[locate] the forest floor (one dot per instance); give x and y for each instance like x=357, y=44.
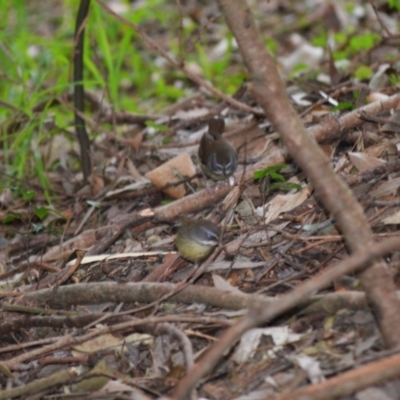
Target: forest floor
x=95, y=300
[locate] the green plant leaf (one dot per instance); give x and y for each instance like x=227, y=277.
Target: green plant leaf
x=268, y=171
x=158, y=127
x=41, y=212
x=272, y=45
x=277, y=177
x=344, y=105
x=394, y=4
x=11, y=217
x=363, y=72
x=320, y=40
x=27, y=194
x=394, y=79
x=284, y=186
x=364, y=42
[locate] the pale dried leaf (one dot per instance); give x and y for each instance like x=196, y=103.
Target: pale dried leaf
x=222, y=284
x=251, y=339
x=299, y=99
x=373, y=393
x=393, y=125
x=110, y=341
x=106, y=257
x=194, y=68
x=392, y=219
x=97, y=344
x=363, y=161
x=246, y=210
x=6, y=197
x=133, y=171
x=57, y=149
x=375, y=96
x=114, y=386
x=311, y=366
x=380, y=78
x=283, y=203
x=11, y=282
x=386, y=188
x=136, y=339
x=378, y=149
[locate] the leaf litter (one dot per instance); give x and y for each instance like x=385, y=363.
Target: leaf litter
x=274, y=241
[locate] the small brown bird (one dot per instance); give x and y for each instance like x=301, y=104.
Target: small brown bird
x=218, y=159
x=196, y=239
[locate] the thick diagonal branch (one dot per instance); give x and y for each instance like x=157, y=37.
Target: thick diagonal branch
x=333, y=193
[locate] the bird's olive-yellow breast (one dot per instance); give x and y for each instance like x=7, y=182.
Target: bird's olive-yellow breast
x=196, y=239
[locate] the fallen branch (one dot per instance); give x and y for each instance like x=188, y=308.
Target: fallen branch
x=59, y=378
x=349, y=382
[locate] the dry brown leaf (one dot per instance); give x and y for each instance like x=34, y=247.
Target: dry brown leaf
x=386, y=188
x=250, y=139
x=57, y=149
x=392, y=219
x=222, y=284
x=363, y=161
x=393, y=125
x=97, y=183
x=283, y=203
x=376, y=96
x=96, y=344
x=173, y=171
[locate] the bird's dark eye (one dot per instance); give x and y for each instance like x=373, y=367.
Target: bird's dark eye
x=210, y=236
